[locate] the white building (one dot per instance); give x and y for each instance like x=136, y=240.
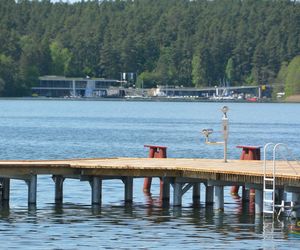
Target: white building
x=60, y=86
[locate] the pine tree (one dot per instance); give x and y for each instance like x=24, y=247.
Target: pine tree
x=292, y=82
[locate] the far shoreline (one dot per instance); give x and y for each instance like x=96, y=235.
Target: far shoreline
x=291, y=99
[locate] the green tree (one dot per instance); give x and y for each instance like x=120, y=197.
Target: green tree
x=229, y=71
x=165, y=68
x=279, y=83
x=109, y=62
x=147, y=80
x=61, y=58
x=7, y=73
x=200, y=68
x=174, y=41
x=28, y=64
x=292, y=82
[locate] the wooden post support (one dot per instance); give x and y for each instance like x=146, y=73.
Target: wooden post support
x=296, y=199
x=258, y=201
x=58, y=180
x=32, y=189
x=5, y=189
x=245, y=194
x=209, y=195
x=196, y=193
x=1, y=189
x=177, y=194
x=128, y=189
x=147, y=185
x=165, y=191
x=279, y=195
x=96, y=185
x=219, y=198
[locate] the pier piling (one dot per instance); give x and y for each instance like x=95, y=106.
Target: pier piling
x=245, y=194
x=58, y=180
x=182, y=174
x=177, y=195
x=5, y=189
x=128, y=189
x=96, y=185
x=209, y=195
x=196, y=193
x=296, y=200
x=258, y=201
x=219, y=198
x=32, y=189
x=165, y=191
x=279, y=195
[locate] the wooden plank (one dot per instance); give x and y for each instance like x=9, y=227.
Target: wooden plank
x=208, y=169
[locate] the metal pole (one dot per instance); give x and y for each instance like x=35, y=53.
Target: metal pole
x=225, y=128
x=225, y=131
x=74, y=88
x=225, y=150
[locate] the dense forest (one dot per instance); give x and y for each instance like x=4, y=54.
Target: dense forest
x=175, y=42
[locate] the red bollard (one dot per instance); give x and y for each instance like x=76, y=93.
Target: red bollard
x=248, y=153
x=154, y=152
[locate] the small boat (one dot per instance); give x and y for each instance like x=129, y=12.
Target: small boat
x=252, y=99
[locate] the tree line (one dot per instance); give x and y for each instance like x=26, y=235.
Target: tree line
x=164, y=42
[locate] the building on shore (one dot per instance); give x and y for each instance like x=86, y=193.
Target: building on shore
x=60, y=86
x=70, y=87
x=215, y=93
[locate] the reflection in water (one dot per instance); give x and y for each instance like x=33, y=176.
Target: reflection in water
x=4, y=209
x=294, y=228
x=199, y=224
x=150, y=223
x=96, y=209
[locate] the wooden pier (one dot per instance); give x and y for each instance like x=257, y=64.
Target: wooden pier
x=181, y=174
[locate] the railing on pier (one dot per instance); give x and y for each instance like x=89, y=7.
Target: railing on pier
x=269, y=181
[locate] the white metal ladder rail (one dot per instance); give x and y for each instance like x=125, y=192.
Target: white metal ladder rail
x=269, y=189
x=269, y=181
x=268, y=193
x=268, y=203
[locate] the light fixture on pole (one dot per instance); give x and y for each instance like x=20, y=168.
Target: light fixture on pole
x=208, y=132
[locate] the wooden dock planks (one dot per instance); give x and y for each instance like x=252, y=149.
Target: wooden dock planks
x=181, y=174
x=208, y=169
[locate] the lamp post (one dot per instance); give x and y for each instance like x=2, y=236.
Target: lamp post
x=207, y=132
x=225, y=130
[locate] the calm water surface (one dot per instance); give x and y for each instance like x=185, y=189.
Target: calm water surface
x=33, y=129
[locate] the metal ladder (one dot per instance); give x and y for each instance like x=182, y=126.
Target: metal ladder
x=269, y=193
x=269, y=184
x=269, y=190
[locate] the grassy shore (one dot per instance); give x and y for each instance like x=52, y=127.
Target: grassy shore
x=293, y=98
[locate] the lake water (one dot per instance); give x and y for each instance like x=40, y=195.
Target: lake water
x=58, y=129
